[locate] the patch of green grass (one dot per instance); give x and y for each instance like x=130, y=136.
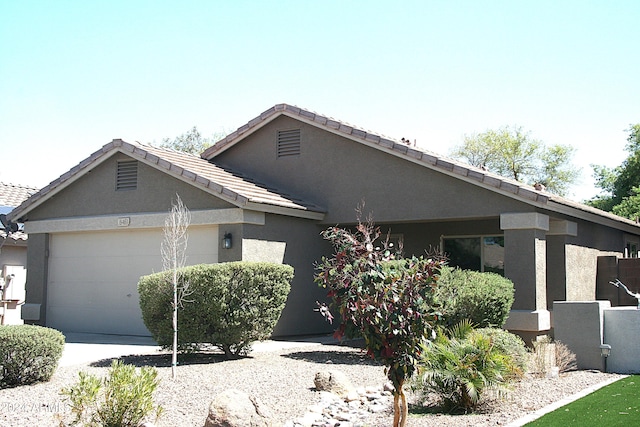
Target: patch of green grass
x=614, y=405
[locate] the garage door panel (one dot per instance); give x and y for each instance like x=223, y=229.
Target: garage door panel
x=92, y=293
x=93, y=276
x=111, y=269
x=117, y=319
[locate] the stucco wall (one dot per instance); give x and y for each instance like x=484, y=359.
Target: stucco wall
x=299, y=243
x=95, y=194
x=572, y=272
x=13, y=253
x=36, y=286
x=597, y=236
x=337, y=174
x=582, y=266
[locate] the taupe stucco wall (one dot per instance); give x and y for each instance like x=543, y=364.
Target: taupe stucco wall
x=37, y=276
x=572, y=261
x=95, y=194
x=582, y=266
x=337, y=174
x=597, y=236
x=303, y=246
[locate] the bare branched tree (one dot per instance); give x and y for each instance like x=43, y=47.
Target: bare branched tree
x=174, y=248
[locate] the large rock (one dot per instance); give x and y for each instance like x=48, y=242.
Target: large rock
x=235, y=408
x=334, y=382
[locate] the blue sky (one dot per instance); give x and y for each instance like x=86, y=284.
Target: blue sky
x=76, y=74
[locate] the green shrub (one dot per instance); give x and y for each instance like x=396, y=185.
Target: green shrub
x=460, y=365
x=123, y=399
x=28, y=354
x=509, y=344
x=227, y=305
x=483, y=298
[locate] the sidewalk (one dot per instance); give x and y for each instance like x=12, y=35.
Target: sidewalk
x=81, y=348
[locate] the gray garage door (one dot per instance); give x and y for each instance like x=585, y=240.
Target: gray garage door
x=93, y=276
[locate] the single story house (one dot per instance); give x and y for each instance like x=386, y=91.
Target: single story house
x=272, y=186
x=13, y=254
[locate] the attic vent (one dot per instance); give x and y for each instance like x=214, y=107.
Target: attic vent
x=127, y=175
x=288, y=142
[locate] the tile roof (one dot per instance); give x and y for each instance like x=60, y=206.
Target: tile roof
x=244, y=192
x=396, y=147
x=446, y=165
x=17, y=236
x=223, y=183
x=232, y=184
x=12, y=195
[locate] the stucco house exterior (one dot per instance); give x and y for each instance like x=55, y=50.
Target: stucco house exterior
x=273, y=185
x=13, y=255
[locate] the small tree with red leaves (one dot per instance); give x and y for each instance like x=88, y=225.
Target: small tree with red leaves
x=384, y=298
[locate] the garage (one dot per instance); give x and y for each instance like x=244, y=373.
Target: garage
x=93, y=276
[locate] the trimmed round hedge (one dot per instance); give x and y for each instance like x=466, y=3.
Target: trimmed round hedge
x=485, y=299
x=227, y=305
x=28, y=354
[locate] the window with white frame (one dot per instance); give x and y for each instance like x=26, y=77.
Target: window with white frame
x=479, y=253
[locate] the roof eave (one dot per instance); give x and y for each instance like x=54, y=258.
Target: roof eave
x=606, y=218
x=152, y=160
x=243, y=131
x=63, y=181
x=281, y=210
x=450, y=167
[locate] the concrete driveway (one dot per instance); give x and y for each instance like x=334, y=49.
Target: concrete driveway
x=82, y=348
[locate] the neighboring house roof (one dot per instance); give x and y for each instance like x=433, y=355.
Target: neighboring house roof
x=17, y=236
x=12, y=195
x=448, y=166
x=223, y=183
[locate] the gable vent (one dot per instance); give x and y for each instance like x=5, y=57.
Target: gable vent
x=288, y=143
x=127, y=175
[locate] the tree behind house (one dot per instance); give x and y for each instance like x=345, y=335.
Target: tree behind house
x=191, y=141
x=620, y=186
x=512, y=152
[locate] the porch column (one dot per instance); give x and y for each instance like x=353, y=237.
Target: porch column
x=559, y=263
x=525, y=263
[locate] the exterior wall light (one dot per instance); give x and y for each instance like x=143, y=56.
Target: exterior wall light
x=226, y=241
x=605, y=351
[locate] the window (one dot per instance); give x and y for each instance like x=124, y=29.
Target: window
x=479, y=253
x=631, y=250
x=395, y=241
x=288, y=143
x=127, y=175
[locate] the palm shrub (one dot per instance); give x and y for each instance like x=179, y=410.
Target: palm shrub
x=230, y=305
x=460, y=364
x=512, y=345
x=123, y=399
x=485, y=299
x=28, y=354
x=382, y=298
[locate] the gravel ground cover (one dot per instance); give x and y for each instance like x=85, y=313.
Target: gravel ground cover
x=283, y=380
